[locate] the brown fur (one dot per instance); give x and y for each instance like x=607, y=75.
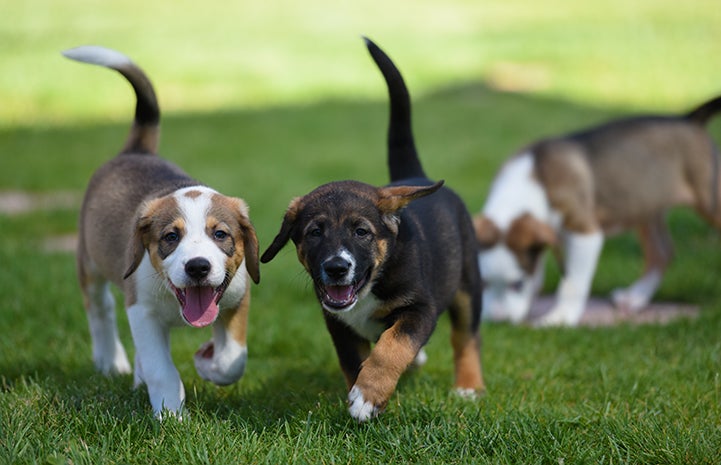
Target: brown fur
x=622, y=175
x=127, y=209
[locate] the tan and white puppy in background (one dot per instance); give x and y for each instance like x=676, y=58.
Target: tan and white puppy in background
x=180, y=252
x=569, y=192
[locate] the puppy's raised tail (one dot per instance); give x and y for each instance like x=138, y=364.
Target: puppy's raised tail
x=701, y=115
x=403, y=161
x=144, y=134
x=704, y=112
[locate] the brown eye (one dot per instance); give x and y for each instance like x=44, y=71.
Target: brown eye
x=360, y=232
x=220, y=235
x=315, y=232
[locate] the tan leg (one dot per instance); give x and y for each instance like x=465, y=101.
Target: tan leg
x=380, y=373
x=466, y=347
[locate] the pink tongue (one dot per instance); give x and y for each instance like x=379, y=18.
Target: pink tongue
x=340, y=293
x=200, y=308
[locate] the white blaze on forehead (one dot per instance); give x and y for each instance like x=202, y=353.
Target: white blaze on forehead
x=516, y=191
x=194, y=204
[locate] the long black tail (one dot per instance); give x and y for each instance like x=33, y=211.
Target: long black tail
x=704, y=112
x=144, y=134
x=403, y=159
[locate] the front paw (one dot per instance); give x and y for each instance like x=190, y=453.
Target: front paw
x=220, y=367
x=359, y=408
x=627, y=300
x=559, y=316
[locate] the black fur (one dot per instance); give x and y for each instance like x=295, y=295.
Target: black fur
x=412, y=253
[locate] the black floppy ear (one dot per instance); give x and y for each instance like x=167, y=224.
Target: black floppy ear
x=286, y=228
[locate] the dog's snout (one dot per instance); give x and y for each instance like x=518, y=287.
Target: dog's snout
x=336, y=267
x=197, y=268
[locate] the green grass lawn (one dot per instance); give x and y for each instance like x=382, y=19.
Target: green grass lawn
x=266, y=101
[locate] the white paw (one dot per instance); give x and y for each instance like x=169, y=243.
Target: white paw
x=466, y=393
x=629, y=301
x=220, y=367
x=558, y=316
x=166, y=414
x=359, y=408
x=112, y=361
x=420, y=360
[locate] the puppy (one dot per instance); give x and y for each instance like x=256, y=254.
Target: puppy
x=569, y=192
x=385, y=262
x=180, y=252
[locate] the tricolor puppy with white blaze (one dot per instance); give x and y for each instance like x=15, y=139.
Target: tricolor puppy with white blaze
x=569, y=192
x=386, y=262
x=181, y=253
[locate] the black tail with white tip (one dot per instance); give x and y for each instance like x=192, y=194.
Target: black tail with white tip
x=143, y=137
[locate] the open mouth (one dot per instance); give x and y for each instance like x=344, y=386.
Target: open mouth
x=340, y=297
x=200, y=303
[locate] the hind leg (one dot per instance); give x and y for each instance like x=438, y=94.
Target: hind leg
x=108, y=353
x=465, y=313
x=657, y=252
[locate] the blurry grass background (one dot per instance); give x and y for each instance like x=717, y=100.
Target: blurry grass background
x=266, y=100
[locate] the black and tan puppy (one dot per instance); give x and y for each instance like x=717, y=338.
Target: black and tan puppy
x=386, y=262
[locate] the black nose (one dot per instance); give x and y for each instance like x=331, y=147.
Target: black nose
x=336, y=267
x=197, y=268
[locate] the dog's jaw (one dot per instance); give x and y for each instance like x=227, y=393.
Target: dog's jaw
x=340, y=292
x=199, y=304
x=342, y=297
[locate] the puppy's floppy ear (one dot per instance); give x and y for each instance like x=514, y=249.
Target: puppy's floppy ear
x=286, y=228
x=528, y=233
x=487, y=233
x=393, y=198
x=139, y=242
x=250, y=241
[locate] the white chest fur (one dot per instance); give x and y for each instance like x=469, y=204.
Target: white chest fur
x=516, y=191
x=359, y=318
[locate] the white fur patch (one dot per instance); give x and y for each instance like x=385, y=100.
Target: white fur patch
x=581, y=256
x=97, y=55
x=359, y=318
x=359, y=408
x=154, y=364
x=516, y=191
x=108, y=352
x=227, y=364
